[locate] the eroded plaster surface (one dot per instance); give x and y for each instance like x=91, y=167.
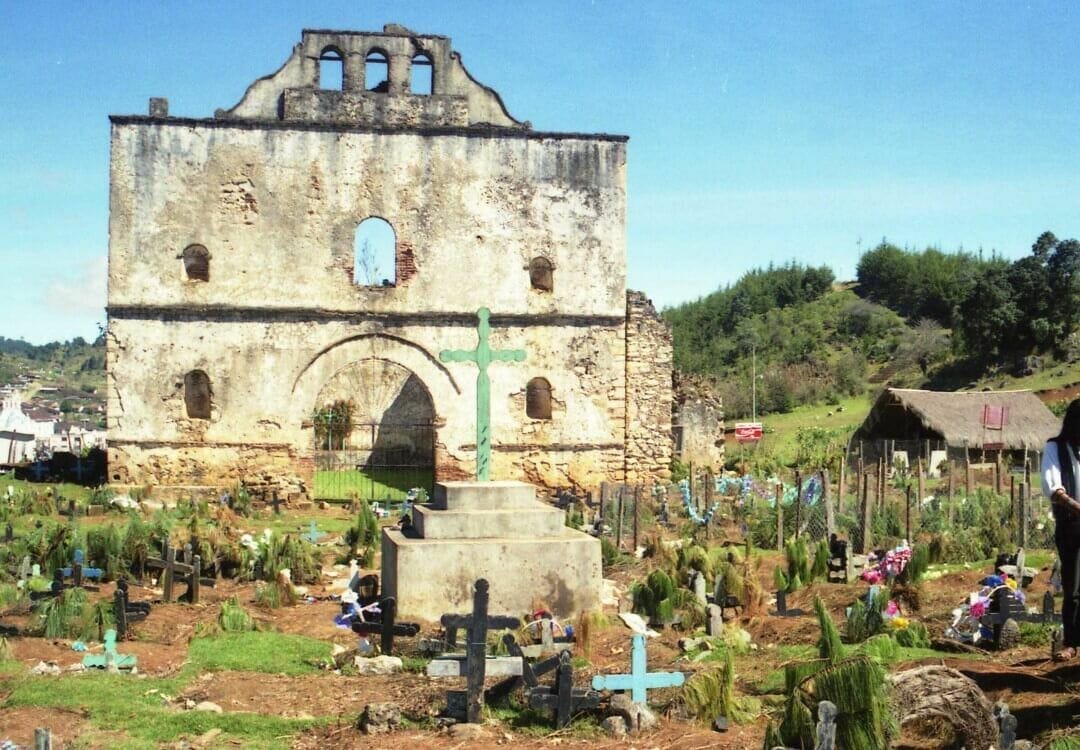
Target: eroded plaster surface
x=274, y=189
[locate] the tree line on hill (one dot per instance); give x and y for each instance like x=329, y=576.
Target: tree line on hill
x=909, y=314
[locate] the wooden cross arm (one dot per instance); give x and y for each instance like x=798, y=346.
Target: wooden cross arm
x=178, y=567
x=400, y=628
x=495, y=622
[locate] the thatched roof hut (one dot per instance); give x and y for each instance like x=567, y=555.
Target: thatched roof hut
x=1005, y=420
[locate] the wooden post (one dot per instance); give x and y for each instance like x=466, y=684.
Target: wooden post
x=167, y=584
x=619, y=517
x=922, y=487
x=798, y=503
x=952, y=487
x=1025, y=503
x=637, y=515
x=389, y=615
x=907, y=512
x=196, y=574
x=997, y=473
x=476, y=653
x=842, y=471
x=779, y=518
x=865, y=508
x=967, y=471
x=830, y=515
x=880, y=490
x=605, y=495
x=1012, y=506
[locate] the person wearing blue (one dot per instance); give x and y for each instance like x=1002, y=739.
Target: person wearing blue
x=1060, y=473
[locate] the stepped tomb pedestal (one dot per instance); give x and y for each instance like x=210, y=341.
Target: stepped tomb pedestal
x=493, y=530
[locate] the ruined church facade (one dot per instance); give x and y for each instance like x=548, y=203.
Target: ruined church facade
x=240, y=308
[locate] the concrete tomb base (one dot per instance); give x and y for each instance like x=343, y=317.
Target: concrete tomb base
x=493, y=530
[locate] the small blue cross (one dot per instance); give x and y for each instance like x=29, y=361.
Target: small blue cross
x=313, y=535
x=640, y=680
x=87, y=572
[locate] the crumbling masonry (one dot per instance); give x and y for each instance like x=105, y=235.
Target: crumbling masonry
x=237, y=307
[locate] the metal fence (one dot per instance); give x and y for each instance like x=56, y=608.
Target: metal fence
x=376, y=461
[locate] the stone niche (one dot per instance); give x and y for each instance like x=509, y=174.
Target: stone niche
x=493, y=530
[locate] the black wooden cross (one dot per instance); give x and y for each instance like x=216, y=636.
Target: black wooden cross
x=563, y=697
x=386, y=627
x=9, y=533
x=173, y=571
x=530, y=673
x=126, y=611
x=476, y=626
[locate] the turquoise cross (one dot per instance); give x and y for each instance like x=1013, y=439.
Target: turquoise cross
x=640, y=680
x=483, y=355
x=313, y=535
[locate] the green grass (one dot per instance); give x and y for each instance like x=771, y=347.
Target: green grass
x=273, y=653
x=385, y=484
x=780, y=429
x=136, y=707
x=76, y=491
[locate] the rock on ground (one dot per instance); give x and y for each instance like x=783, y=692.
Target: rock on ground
x=381, y=664
x=466, y=732
x=378, y=718
x=637, y=715
x=938, y=693
x=615, y=726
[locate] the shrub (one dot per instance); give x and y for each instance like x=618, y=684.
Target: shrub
x=363, y=536
x=233, y=618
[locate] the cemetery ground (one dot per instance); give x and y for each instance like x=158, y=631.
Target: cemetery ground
x=202, y=682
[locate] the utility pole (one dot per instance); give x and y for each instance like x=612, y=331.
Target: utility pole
x=753, y=379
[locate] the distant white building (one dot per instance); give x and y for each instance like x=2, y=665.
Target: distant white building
x=74, y=438
x=20, y=434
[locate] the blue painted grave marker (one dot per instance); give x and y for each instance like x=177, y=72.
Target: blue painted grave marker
x=640, y=680
x=313, y=534
x=77, y=572
x=110, y=657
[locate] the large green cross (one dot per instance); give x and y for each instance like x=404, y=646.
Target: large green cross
x=483, y=355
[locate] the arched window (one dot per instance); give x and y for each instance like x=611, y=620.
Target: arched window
x=331, y=69
x=377, y=72
x=197, y=394
x=197, y=263
x=422, y=76
x=375, y=256
x=541, y=274
x=538, y=399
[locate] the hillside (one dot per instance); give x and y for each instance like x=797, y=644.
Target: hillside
x=917, y=319
x=66, y=376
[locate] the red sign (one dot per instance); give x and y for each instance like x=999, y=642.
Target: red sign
x=747, y=432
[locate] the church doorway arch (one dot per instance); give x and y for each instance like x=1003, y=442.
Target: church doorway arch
x=374, y=433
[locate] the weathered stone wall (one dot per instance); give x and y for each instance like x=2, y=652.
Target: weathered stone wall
x=648, y=391
x=267, y=377
x=280, y=315
x=699, y=422
x=274, y=189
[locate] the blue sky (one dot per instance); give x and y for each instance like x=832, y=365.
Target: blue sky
x=759, y=131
